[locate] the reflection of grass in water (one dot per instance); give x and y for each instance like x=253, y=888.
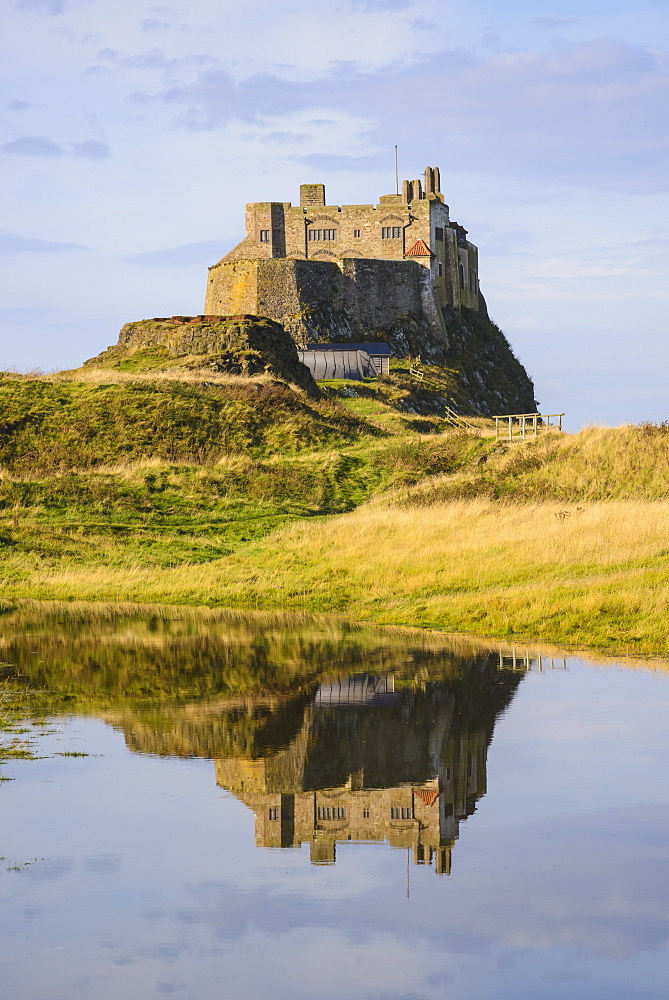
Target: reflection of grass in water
x=16, y=708
x=101, y=656
x=181, y=680
x=210, y=682
x=22, y=865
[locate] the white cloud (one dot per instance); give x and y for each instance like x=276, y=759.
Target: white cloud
x=90, y=149
x=33, y=145
x=11, y=243
x=50, y=7
x=205, y=253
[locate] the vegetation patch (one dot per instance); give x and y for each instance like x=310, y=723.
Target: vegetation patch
x=364, y=501
x=21, y=711
x=61, y=425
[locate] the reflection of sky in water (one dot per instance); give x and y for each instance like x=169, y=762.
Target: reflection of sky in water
x=146, y=880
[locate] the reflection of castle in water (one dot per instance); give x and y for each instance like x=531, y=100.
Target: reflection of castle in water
x=372, y=763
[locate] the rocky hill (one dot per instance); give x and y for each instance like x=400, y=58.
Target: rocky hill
x=486, y=376
x=233, y=345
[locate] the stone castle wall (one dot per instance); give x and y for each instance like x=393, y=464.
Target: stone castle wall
x=390, y=230
x=328, y=301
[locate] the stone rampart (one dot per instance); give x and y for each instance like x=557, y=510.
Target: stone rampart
x=353, y=299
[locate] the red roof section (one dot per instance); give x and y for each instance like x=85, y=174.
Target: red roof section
x=419, y=249
x=428, y=796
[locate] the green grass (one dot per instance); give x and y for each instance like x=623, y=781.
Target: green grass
x=54, y=426
x=229, y=485
x=364, y=502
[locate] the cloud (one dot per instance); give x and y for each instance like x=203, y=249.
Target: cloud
x=33, y=145
x=585, y=114
x=155, y=59
x=90, y=149
x=17, y=105
x=207, y=252
x=366, y=5
x=549, y=23
x=215, y=98
x=335, y=161
x=50, y=7
x=11, y=243
x=40, y=146
x=152, y=24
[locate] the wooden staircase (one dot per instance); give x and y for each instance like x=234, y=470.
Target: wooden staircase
x=441, y=385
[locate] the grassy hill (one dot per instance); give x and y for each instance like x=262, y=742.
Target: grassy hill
x=249, y=492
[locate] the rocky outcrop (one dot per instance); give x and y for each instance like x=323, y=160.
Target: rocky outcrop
x=237, y=345
x=488, y=372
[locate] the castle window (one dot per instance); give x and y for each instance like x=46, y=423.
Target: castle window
x=462, y=276
x=274, y=812
x=400, y=813
x=331, y=812
x=439, y=234
x=391, y=232
x=365, y=812
x=357, y=233
x=322, y=234
x=264, y=235
x=441, y=270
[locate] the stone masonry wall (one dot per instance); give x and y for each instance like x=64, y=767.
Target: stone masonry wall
x=354, y=299
x=379, y=300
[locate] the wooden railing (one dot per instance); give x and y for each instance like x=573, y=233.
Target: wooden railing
x=528, y=423
x=441, y=385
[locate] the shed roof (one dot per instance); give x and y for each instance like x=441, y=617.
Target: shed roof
x=379, y=349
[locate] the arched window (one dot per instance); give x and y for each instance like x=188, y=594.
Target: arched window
x=462, y=275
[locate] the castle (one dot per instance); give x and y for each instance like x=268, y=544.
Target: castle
x=343, y=273
x=409, y=788
x=413, y=227
x=400, y=277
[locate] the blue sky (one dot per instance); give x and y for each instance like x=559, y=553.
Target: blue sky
x=132, y=134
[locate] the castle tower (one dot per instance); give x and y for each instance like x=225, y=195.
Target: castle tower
x=312, y=195
x=432, y=181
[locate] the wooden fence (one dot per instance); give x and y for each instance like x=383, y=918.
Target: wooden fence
x=526, y=423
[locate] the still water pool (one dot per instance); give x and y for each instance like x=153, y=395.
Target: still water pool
x=277, y=808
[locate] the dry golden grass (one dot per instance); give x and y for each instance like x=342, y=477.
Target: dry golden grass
x=108, y=376
x=598, y=463
x=594, y=574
